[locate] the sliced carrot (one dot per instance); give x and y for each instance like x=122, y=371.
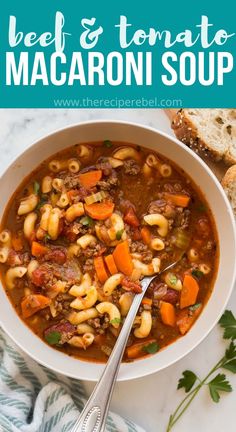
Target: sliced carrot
x=33, y=303
x=189, y=291
x=167, y=311
x=178, y=200
x=17, y=243
x=90, y=178
x=38, y=250
x=146, y=235
x=100, y=269
x=147, y=301
x=136, y=350
x=123, y=258
x=111, y=265
x=99, y=211
x=185, y=319
x=72, y=193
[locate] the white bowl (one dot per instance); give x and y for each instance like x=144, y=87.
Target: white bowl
x=201, y=175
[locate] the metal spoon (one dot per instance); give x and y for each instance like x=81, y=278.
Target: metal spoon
x=94, y=414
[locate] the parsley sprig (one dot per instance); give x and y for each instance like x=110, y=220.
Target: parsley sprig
x=216, y=383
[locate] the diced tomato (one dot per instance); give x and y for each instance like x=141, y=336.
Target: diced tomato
x=136, y=234
x=130, y=218
x=130, y=285
x=65, y=329
x=40, y=276
x=171, y=296
x=56, y=255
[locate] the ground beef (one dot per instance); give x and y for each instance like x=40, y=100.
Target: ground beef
x=125, y=204
x=131, y=167
x=109, y=183
x=71, y=181
x=73, y=230
x=182, y=219
x=95, y=323
x=115, y=297
x=100, y=324
x=139, y=247
x=88, y=266
x=104, y=165
x=175, y=187
x=95, y=249
x=135, y=234
x=17, y=258
x=161, y=206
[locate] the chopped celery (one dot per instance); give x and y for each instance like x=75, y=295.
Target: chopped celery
x=99, y=196
x=181, y=238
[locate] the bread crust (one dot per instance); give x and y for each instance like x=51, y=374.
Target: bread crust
x=229, y=177
x=186, y=132
x=229, y=184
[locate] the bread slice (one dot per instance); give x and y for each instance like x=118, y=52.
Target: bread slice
x=229, y=185
x=209, y=132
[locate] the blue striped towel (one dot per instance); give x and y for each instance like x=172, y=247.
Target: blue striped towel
x=35, y=399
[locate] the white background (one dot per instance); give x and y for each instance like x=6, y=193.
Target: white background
x=148, y=401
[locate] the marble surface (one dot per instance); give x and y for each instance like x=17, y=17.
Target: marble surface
x=147, y=401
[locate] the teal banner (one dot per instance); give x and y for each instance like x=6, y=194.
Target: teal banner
x=126, y=54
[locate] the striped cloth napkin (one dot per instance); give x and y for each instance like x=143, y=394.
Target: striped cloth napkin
x=35, y=399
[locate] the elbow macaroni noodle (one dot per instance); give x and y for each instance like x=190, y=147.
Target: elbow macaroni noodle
x=74, y=211
x=80, y=290
x=54, y=223
x=82, y=341
x=84, y=151
x=127, y=153
x=5, y=239
x=12, y=274
x=79, y=317
x=145, y=326
x=112, y=283
x=46, y=185
x=32, y=266
x=86, y=302
x=29, y=224
x=173, y=281
x=86, y=240
x=28, y=204
x=63, y=200
x=58, y=184
x=112, y=311
x=147, y=269
x=125, y=302
x=45, y=214
x=73, y=166
x=160, y=221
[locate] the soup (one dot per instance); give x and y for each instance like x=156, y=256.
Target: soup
x=82, y=231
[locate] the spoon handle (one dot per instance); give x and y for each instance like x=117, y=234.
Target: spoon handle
x=94, y=414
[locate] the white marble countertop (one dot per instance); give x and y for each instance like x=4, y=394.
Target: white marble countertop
x=147, y=401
